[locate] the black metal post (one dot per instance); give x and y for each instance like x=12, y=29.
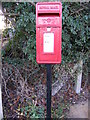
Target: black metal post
x=49, y=88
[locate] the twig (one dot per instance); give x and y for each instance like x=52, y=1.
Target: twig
x=85, y=84
x=33, y=3
x=5, y=86
x=22, y=83
x=9, y=14
x=18, y=72
x=9, y=76
x=62, y=116
x=77, y=11
x=33, y=72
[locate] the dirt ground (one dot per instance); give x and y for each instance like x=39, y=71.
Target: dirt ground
x=79, y=110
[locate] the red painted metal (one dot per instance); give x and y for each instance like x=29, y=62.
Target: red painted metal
x=48, y=32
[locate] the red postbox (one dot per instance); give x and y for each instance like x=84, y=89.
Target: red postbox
x=48, y=32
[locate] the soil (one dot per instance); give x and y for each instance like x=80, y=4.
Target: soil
x=79, y=110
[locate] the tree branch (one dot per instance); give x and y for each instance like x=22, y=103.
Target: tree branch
x=9, y=14
x=32, y=3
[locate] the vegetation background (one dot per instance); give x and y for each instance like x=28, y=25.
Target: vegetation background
x=21, y=73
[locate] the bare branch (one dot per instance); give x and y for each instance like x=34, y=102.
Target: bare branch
x=32, y=3
x=77, y=11
x=9, y=14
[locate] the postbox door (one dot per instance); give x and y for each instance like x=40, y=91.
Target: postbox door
x=49, y=45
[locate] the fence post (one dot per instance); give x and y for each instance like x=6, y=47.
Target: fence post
x=1, y=111
x=1, y=18
x=79, y=77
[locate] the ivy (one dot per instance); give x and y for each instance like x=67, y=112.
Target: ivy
x=75, y=31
